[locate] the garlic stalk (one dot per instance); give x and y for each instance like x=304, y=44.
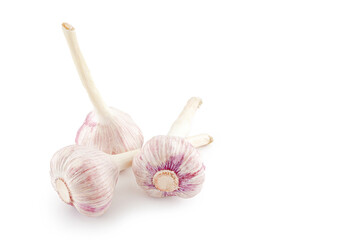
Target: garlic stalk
x=182, y=125
x=106, y=129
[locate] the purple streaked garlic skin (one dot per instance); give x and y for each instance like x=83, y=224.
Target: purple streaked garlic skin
x=84, y=178
x=118, y=134
x=169, y=166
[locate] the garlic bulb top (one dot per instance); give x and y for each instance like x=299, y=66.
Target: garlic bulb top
x=114, y=135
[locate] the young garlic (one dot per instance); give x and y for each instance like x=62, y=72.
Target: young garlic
x=107, y=129
x=170, y=165
x=85, y=177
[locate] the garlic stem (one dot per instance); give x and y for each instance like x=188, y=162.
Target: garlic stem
x=124, y=160
x=200, y=140
x=182, y=125
x=100, y=107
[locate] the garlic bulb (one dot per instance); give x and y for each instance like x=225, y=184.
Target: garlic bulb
x=170, y=165
x=106, y=129
x=85, y=177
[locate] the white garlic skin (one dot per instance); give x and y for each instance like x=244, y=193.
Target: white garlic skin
x=90, y=176
x=174, y=154
x=112, y=135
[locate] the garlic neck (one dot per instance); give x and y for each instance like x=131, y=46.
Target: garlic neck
x=182, y=125
x=124, y=160
x=200, y=140
x=100, y=107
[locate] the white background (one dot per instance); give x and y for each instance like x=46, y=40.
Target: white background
x=280, y=82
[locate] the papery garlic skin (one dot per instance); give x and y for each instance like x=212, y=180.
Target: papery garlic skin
x=113, y=135
x=170, y=155
x=89, y=175
x=85, y=177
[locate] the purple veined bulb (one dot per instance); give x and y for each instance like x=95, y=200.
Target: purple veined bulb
x=171, y=165
x=107, y=129
x=85, y=177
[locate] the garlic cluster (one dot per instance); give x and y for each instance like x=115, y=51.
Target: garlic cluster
x=85, y=177
x=85, y=174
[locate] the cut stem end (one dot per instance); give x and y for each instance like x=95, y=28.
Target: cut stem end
x=166, y=181
x=67, y=26
x=63, y=191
